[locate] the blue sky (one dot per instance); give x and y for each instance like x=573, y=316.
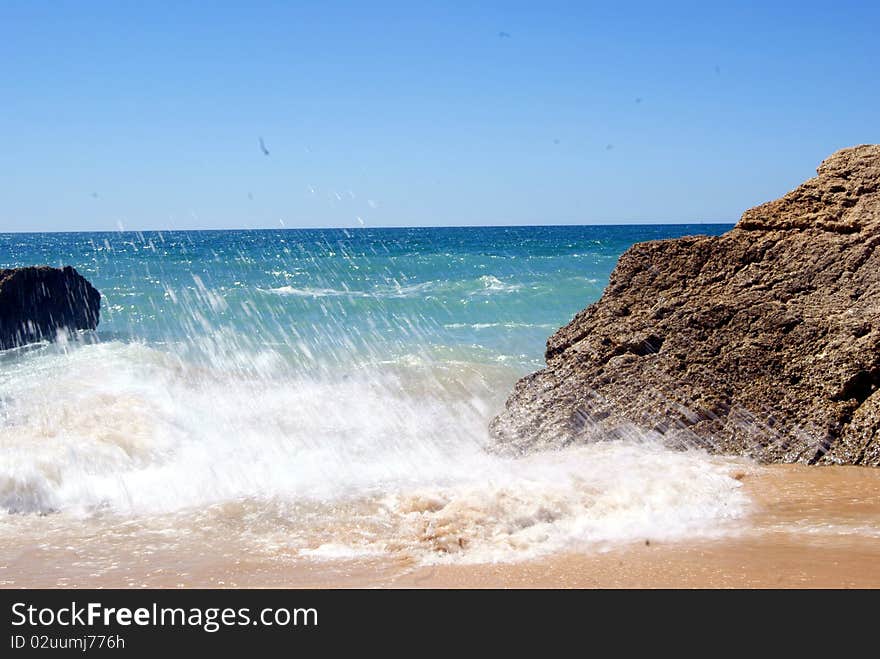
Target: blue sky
x=149, y=115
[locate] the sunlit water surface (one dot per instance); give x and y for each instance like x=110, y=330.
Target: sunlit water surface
x=323, y=395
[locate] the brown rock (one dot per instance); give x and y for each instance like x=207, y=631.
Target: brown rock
x=763, y=342
x=38, y=302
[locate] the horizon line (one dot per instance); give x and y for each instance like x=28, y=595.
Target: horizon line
x=382, y=227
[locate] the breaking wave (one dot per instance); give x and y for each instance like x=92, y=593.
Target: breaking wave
x=392, y=456
x=483, y=285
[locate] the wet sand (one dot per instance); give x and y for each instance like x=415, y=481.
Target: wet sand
x=812, y=527
x=809, y=527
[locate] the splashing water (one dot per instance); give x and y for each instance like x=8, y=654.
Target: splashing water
x=340, y=384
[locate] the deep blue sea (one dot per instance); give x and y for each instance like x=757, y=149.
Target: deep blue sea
x=321, y=395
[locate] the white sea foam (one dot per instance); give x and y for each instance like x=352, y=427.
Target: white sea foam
x=482, y=326
x=589, y=496
x=491, y=285
x=484, y=285
x=138, y=431
x=383, y=291
x=315, y=292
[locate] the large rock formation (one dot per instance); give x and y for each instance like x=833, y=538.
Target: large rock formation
x=38, y=302
x=763, y=342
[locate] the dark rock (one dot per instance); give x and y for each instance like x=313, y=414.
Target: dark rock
x=763, y=342
x=38, y=302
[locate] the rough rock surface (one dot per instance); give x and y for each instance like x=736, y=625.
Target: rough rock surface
x=764, y=341
x=38, y=302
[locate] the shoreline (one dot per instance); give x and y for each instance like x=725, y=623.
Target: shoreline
x=811, y=527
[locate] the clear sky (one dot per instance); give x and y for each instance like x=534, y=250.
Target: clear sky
x=149, y=115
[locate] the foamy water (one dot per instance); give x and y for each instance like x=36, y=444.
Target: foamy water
x=323, y=396
x=392, y=456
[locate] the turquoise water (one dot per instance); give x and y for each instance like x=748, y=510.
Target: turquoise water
x=492, y=293
x=312, y=395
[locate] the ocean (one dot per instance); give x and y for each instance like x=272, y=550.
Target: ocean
x=306, y=396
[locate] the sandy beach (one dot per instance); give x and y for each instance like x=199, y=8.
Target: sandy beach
x=809, y=527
